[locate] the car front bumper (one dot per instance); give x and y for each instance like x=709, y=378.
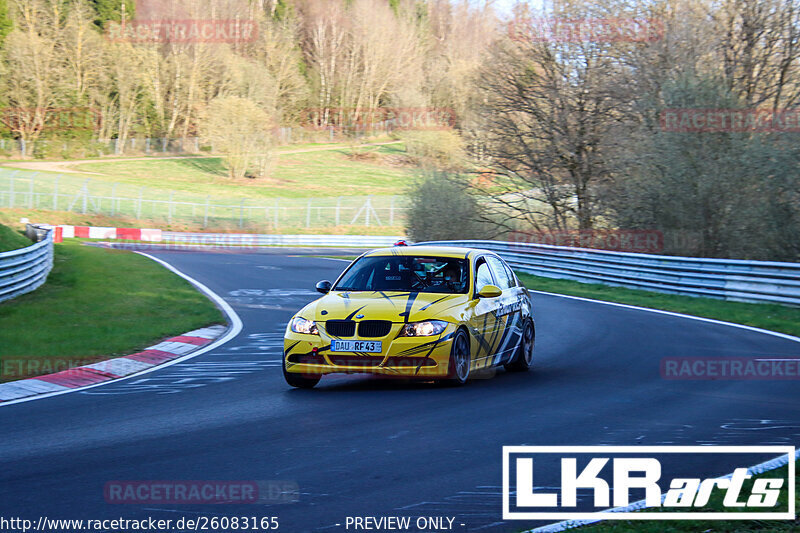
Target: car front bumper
x=416, y=357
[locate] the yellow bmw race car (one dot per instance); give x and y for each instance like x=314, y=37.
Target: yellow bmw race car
x=413, y=311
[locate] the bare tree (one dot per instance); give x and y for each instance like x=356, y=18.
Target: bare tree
x=33, y=66
x=758, y=43
x=241, y=130
x=549, y=109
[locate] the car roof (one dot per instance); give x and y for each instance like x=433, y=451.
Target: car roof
x=435, y=251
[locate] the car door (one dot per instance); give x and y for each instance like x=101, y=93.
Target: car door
x=483, y=323
x=507, y=313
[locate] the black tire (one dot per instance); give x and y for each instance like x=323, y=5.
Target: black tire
x=460, y=359
x=523, y=358
x=300, y=381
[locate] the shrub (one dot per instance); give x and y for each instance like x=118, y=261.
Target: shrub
x=441, y=208
x=441, y=149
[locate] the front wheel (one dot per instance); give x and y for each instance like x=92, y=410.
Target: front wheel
x=300, y=381
x=523, y=359
x=459, y=359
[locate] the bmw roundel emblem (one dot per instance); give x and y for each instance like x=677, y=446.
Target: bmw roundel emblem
x=359, y=315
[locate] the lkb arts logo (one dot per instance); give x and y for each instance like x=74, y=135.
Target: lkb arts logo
x=612, y=482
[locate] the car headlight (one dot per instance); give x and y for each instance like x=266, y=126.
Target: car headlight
x=301, y=325
x=423, y=329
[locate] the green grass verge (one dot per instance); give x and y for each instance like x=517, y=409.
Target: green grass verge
x=774, y=317
x=99, y=303
x=12, y=240
x=714, y=505
x=326, y=173
x=307, y=192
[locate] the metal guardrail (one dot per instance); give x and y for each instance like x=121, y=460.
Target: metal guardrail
x=26, y=269
x=729, y=279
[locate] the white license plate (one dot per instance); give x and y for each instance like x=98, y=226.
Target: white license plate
x=356, y=346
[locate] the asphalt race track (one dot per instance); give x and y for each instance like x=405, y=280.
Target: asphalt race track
x=364, y=446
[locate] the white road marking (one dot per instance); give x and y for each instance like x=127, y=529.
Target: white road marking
x=679, y=315
x=233, y=331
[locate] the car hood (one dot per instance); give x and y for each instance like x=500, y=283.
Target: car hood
x=389, y=305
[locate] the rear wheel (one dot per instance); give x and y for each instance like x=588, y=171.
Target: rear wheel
x=459, y=359
x=523, y=359
x=300, y=381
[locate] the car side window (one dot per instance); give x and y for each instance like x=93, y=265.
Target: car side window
x=500, y=273
x=483, y=275
x=511, y=276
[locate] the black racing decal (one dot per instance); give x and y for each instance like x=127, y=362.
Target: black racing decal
x=427, y=355
x=386, y=296
x=422, y=347
x=495, y=334
x=434, y=302
x=506, y=332
x=481, y=340
x=324, y=330
x=409, y=304
x=289, y=349
x=351, y=315
x=400, y=295
x=457, y=304
x=483, y=333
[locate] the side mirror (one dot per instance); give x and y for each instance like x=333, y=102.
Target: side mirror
x=490, y=291
x=324, y=286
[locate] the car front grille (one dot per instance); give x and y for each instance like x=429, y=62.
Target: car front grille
x=374, y=328
x=341, y=328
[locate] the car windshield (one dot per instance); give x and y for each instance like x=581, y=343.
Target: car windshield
x=406, y=273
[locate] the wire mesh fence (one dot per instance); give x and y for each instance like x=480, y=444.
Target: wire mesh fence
x=44, y=191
